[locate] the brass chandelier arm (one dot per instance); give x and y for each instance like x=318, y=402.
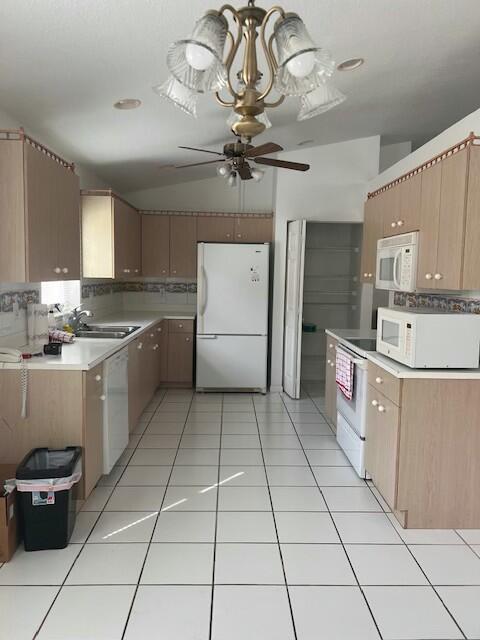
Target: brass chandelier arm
x=268, y=50
x=279, y=101
x=236, y=42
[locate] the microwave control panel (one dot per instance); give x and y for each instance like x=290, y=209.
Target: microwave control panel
x=407, y=266
x=408, y=340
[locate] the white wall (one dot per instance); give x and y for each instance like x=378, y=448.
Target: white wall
x=209, y=194
x=334, y=190
x=392, y=153
x=444, y=140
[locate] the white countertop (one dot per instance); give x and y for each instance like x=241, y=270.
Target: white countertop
x=86, y=353
x=395, y=368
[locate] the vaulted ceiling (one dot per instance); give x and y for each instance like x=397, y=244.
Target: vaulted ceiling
x=63, y=63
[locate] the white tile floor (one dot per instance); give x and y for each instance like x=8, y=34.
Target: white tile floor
x=236, y=516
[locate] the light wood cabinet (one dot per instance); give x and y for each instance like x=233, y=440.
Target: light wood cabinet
x=429, y=226
x=39, y=200
x=111, y=236
x=372, y=231
x=253, y=229
x=135, y=391
x=402, y=207
x=183, y=246
x=162, y=330
x=471, y=256
x=180, y=358
x=215, y=228
x=330, y=383
x=93, y=427
x=155, y=245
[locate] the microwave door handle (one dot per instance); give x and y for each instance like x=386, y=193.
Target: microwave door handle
x=396, y=282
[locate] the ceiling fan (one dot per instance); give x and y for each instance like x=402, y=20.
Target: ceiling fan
x=235, y=160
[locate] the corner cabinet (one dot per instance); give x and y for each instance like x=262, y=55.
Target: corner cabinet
x=40, y=205
x=111, y=236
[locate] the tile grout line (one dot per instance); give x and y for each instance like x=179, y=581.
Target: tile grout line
x=83, y=544
x=149, y=544
x=287, y=589
x=335, y=525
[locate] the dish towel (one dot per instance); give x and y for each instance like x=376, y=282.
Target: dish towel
x=344, y=373
x=37, y=323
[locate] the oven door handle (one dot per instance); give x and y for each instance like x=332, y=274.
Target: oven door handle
x=358, y=361
x=396, y=282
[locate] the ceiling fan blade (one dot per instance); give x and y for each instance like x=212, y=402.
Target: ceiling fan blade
x=263, y=149
x=197, y=164
x=283, y=164
x=244, y=172
x=217, y=153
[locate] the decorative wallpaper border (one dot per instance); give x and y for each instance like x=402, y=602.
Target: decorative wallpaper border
x=94, y=290
x=437, y=301
x=22, y=298
x=208, y=214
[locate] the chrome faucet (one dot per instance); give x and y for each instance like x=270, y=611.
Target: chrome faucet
x=76, y=321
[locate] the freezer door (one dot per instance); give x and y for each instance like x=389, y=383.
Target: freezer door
x=232, y=362
x=232, y=289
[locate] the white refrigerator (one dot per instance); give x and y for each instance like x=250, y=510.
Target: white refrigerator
x=232, y=316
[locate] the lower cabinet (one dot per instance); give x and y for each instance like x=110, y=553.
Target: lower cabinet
x=93, y=427
x=180, y=353
x=330, y=383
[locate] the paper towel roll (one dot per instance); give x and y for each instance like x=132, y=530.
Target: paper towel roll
x=37, y=323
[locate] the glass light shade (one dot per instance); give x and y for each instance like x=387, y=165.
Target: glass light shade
x=181, y=96
x=257, y=174
x=321, y=99
x=301, y=64
x=232, y=179
x=262, y=117
x=197, y=62
x=224, y=170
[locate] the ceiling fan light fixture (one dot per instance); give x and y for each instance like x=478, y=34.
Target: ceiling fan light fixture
x=257, y=174
x=320, y=100
x=232, y=179
x=301, y=64
x=261, y=117
x=180, y=95
x=197, y=62
x=224, y=171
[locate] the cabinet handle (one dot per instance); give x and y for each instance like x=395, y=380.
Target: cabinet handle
x=400, y=223
x=239, y=235
x=229, y=235
x=180, y=326
x=330, y=346
x=332, y=364
x=137, y=270
x=428, y=276
x=378, y=380
x=438, y=276
x=102, y=398
x=393, y=225
x=159, y=329
x=57, y=270
x=381, y=408
x=65, y=269
x=98, y=377
x=140, y=345
x=187, y=339
x=174, y=271
x=126, y=271
x=370, y=275
x=164, y=271
x=328, y=361
x=155, y=347
x=152, y=335
x=374, y=403
x=365, y=275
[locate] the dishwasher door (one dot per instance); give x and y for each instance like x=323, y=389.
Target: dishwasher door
x=115, y=413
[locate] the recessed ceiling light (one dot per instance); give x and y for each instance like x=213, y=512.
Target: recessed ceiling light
x=351, y=64
x=304, y=142
x=127, y=103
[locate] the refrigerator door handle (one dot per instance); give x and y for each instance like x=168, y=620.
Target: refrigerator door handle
x=206, y=337
x=204, y=290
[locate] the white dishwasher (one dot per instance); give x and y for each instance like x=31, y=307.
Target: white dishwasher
x=115, y=412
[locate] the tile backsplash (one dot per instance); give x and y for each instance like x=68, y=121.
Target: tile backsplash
x=442, y=302
x=13, y=311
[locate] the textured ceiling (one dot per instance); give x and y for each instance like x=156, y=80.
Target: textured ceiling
x=63, y=63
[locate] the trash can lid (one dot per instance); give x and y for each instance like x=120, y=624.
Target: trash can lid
x=48, y=463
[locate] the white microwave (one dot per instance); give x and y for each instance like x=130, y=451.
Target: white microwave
x=429, y=339
x=396, y=268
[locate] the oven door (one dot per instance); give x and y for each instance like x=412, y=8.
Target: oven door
x=354, y=410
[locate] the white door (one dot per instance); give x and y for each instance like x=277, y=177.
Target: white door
x=292, y=344
x=231, y=362
x=232, y=289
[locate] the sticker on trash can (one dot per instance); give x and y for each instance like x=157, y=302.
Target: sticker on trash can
x=42, y=497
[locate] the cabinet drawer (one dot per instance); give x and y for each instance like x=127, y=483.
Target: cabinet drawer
x=180, y=326
x=384, y=382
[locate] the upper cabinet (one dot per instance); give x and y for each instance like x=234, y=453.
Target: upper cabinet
x=253, y=229
x=183, y=246
x=471, y=256
x=39, y=201
x=372, y=231
x=155, y=245
x=111, y=236
x=402, y=205
x=215, y=228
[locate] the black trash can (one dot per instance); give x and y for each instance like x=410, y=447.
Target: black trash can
x=47, y=481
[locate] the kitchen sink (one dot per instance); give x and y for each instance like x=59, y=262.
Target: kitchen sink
x=105, y=331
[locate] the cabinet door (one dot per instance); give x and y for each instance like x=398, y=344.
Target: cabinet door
x=381, y=446
x=134, y=246
x=183, y=246
x=330, y=384
x=451, y=231
x=391, y=211
x=121, y=229
x=409, y=213
x=93, y=427
x=135, y=399
x=41, y=176
x=429, y=226
x=369, y=247
x=155, y=245
x=471, y=260
x=215, y=228
x=68, y=225
x=162, y=337
x=253, y=229
x=180, y=358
